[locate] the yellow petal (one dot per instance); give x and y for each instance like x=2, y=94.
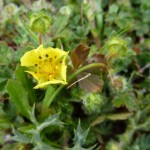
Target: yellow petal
x=29, y=58
x=63, y=72
x=33, y=74
x=45, y=84
x=56, y=51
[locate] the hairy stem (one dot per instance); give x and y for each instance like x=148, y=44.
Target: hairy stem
x=40, y=38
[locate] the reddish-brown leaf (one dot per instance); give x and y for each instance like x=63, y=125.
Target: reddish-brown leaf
x=79, y=55
x=92, y=83
x=98, y=58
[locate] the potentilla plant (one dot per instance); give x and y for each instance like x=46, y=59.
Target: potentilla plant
x=56, y=72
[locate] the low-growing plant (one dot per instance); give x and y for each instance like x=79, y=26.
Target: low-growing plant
x=74, y=75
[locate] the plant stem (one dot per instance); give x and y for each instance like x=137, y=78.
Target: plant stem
x=40, y=38
x=72, y=76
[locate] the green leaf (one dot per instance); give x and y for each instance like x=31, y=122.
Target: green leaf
x=18, y=96
x=6, y=54
x=141, y=143
x=26, y=82
x=32, y=116
x=4, y=123
x=113, y=8
x=79, y=139
x=59, y=25
x=51, y=120
x=126, y=100
x=146, y=83
x=23, y=138
x=119, y=116
x=80, y=136
x=26, y=128
x=31, y=34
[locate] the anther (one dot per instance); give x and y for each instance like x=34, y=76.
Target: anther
x=46, y=55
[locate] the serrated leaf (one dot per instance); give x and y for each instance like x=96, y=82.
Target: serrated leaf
x=79, y=139
x=51, y=120
x=18, y=136
x=18, y=96
x=126, y=100
x=80, y=136
x=32, y=116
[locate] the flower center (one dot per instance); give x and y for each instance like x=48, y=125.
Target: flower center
x=47, y=68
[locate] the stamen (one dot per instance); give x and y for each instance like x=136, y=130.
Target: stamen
x=46, y=55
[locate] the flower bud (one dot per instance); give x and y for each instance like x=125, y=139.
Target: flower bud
x=40, y=22
x=116, y=46
x=119, y=83
x=93, y=102
x=10, y=9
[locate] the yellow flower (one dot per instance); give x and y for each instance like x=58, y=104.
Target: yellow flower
x=46, y=65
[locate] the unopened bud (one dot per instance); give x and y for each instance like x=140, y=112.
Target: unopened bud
x=10, y=9
x=119, y=83
x=40, y=22
x=116, y=46
x=93, y=103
